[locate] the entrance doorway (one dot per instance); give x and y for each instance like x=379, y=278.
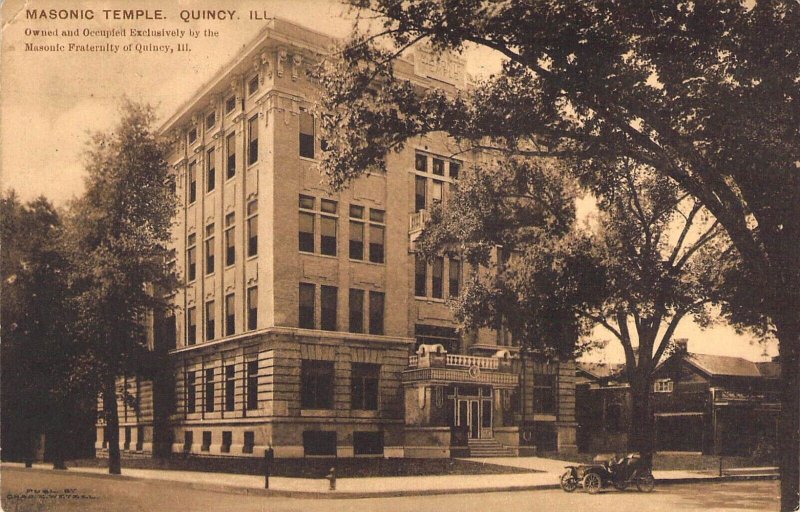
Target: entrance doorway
x=475, y=416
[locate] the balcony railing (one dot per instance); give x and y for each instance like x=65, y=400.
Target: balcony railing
x=462, y=361
x=417, y=221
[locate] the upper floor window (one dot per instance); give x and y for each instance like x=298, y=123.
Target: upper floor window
x=662, y=386
x=211, y=119
x=230, y=147
x=455, y=169
x=327, y=227
x=209, y=248
x=211, y=170
x=191, y=258
x=252, y=140
x=252, y=227
x=230, y=239
x=230, y=104
x=356, y=248
x=192, y=178
x=306, y=224
x=251, y=374
x=356, y=306
x=455, y=278
x=230, y=314
x=544, y=394
x=421, y=162
x=192, y=135
x=420, y=276
x=377, y=230
x=252, y=308
x=252, y=85
x=328, y=303
x=438, y=167
x=191, y=392
x=364, y=386
x=306, y=306
x=210, y=321
x=420, y=193
x=306, y=134
x=376, y=310
x=437, y=278
x=191, y=326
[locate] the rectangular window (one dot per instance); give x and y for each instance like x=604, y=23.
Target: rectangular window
x=356, y=305
x=230, y=239
x=210, y=320
x=206, y=441
x=319, y=442
x=211, y=119
x=230, y=387
x=249, y=442
x=191, y=326
x=210, y=249
x=252, y=385
x=230, y=314
x=192, y=178
x=191, y=393
x=192, y=135
x=227, y=440
x=437, y=277
x=306, y=318
x=252, y=140
x=455, y=278
x=230, y=144
x=367, y=443
x=252, y=85
x=364, y=380
x=376, y=308
x=328, y=299
x=252, y=308
x=211, y=170
x=316, y=384
x=437, y=191
x=455, y=169
x=662, y=386
x=356, y=232
x=377, y=218
x=306, y=232
x=420, y=187
x=544, y=394
x=209, y=394
x=438, y=167
x=306, y=134
x=252, y=227
x=230, y=104
x=421, y=162
x=191, y=258
x=327, y=227
x=420, y=276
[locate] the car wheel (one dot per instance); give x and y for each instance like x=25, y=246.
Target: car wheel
x=621, y=485
x=645, y=483
x=568, y=482
x=592, y=483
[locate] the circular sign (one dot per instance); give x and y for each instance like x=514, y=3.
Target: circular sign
x=474, y=371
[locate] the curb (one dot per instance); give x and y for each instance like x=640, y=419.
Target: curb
x=254, y=491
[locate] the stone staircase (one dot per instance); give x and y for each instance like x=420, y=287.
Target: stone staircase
x=488, y=448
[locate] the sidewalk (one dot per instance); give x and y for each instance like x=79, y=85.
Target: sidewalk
x=374, y=487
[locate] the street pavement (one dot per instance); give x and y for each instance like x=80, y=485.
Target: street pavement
x=24, y=491
x=546, y=477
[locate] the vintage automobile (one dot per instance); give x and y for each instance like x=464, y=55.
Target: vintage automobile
x=618, y=472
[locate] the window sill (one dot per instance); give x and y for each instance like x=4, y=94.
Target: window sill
x=431, y=300
x=253, y=257
x=250, y=166
x=367, y=262
x=365, y=413
x=307, y=159
x=209, y=192
x=318, y=255
x=325, y=413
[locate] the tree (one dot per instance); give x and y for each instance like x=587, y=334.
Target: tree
x=120, y=228
x=37, y=347
x=705, y=94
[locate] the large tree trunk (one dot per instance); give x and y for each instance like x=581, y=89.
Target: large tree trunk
x=789, y=425
x=112, y=425
x=641, y=431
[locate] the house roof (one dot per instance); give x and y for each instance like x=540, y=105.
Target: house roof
x=601, y=370
x=769, y=369
x=723, y=365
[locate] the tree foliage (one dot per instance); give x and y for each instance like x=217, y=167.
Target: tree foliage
x=120, y=229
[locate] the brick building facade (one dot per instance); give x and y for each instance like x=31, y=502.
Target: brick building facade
x=306, y=323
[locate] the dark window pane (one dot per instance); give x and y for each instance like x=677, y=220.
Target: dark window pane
x=252, y=141
x=356, y=212
x=328, y=206
x=252, y=231
x=211, y=174
x=421, y=162
x=327, y=228
x=455, y=169
x=252, y=85
x=368, y=443
x=191, y=264
x=306, y=232
x=316, y=384
x=192, y=178
x=318, y=442
x=230, y=387
x=191, y=326
x=252, y=308
x=210, y=327
x=230, y=104
x=328, y=299
x=420, y=185
x=211, y=119
x=306, y=302
x=544, y=394
x=191, y=392
x=364, y=386
x=420, y=277
x=377, y=216
x=376, y=248
x=231, y=148
x=252, y=385
x=438, y=167
x=356, y=310
x=356, y=240
x=210, y=390
x=306, y=135
x=455, y=278
x=230, y=315
x=376, y=308
x=437, y=276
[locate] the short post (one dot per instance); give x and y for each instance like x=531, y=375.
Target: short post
x=332, y=478
x=720, y=465
x=269, y=457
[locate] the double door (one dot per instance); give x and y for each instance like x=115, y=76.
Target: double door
x=476, y=415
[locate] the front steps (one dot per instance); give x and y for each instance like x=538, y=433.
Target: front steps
x=488, y=448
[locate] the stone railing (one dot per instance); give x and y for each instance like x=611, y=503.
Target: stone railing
x=417, y=221
x=413, y=361
x=484, y=363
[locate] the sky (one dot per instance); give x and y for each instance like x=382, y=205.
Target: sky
x=51, y=101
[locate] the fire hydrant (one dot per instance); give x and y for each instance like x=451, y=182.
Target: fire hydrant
x=332, y=479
